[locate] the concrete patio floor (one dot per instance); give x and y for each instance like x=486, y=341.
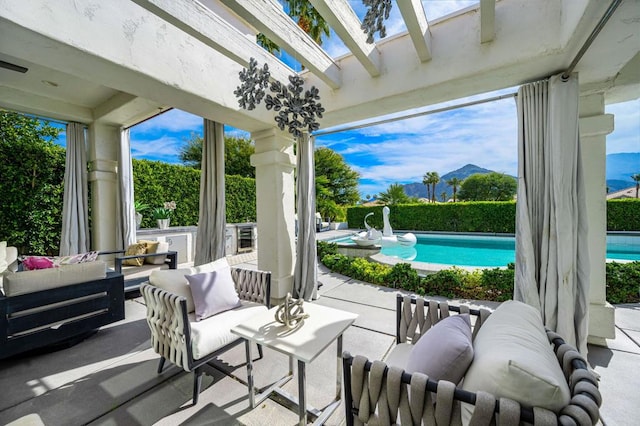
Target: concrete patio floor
x=110, y=378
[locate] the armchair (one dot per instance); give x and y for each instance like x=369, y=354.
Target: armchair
x=189, y=344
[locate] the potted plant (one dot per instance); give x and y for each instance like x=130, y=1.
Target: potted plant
x=163, y=214
x=139, y=208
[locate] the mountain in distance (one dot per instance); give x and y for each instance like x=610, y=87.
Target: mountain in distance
x=418, y=189
x=620, y=168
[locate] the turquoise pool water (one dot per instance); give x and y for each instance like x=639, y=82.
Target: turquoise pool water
x=469, y=250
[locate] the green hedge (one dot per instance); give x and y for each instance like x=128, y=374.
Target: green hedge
x=156, y=182
x=623, y=279
x=475, y=216
x=623, y=215
x=478, y=216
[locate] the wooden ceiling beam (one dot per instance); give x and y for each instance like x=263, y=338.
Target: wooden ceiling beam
x=418, y=27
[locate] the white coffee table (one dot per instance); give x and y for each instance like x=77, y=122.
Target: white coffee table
x=304, y=344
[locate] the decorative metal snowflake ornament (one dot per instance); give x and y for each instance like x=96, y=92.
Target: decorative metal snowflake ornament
x=254, y=81
x=378, y=11
x=295, y=111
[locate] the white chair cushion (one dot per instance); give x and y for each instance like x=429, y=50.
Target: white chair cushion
x=514, y=359
x=213, y=333
x=43, y=279
x=399, y=355
x=174, y=281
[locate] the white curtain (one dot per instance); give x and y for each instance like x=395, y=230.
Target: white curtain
x=305, y=279
x=212, y=222
x=551, y=226
x=74, y=238
x=125, y=210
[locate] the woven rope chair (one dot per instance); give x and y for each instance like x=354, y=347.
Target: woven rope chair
x=378, y=394
x=171, y=334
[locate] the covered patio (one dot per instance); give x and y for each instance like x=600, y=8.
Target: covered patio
x=111, y=377
x=110, y=65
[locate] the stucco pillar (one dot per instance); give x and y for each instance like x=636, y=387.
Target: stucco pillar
x=275, y=192
x=595, y=125
x=103, y=169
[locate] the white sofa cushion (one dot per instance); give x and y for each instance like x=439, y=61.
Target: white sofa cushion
x=214, y=332
x=174, y=281
x=514, y=359
x=43, y=279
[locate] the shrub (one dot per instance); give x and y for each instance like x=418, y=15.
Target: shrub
x=445, y=283
x=623, y=282
x=623, y=215
x=498, y=283
x=403, y=276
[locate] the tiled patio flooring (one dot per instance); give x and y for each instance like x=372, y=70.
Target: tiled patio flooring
x=110, y=378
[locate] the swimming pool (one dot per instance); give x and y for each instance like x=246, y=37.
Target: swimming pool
x=488, y=251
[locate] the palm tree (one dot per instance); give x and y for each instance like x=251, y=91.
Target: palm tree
x=443, y=196
x=309, y=19
x=394, y=195
x=426, y=182
x=636, y=178
x=433, y=180
x=454, y=183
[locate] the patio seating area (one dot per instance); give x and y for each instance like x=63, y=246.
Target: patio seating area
x=111, y=377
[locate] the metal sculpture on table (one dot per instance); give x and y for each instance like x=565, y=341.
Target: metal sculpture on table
x=291, y=313
x=297, y=111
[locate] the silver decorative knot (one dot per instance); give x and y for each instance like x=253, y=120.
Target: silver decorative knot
x=291, y=313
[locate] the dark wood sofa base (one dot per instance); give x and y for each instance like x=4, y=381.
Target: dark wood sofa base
x=59, y=315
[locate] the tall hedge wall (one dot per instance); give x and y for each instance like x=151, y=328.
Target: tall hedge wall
x=623, y=215
x=475, y=216
x=478, y=216
x=156, y=182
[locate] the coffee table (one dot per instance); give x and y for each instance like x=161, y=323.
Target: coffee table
x=303, y=344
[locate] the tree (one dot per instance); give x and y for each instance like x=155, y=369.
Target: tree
x=454, y=183
x=237, y=154
x=636, y=178
x=431, y=179
x=443, y=196
x=488, y=187
x=394, y=195
x=336, y=182
x=307, y=18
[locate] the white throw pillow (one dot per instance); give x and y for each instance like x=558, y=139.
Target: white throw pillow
x=213, y=292
x=160, y=247
x=174, y=281
x=514, y=359
x=3, y=256
x=445, y=351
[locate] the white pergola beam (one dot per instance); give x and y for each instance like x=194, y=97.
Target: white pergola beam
x=487, y=20
x=31, y=103
x=344, y=21
x=205, y=25
x=418, y=27
x=268, y=17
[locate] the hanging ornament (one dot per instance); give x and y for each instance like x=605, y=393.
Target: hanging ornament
x=377, y=12
x=297, y=111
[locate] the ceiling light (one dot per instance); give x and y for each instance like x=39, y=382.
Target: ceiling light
x=50, y=83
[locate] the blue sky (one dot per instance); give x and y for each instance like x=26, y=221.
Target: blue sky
x=402, y=151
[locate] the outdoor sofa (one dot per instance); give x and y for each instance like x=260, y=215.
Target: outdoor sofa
x=57, y=306
x=506, y=369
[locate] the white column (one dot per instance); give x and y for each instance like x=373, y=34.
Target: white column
x=275, y=192
x=595, y=125
x=103, y=169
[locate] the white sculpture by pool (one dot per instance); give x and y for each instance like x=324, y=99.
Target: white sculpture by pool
x=385, y=238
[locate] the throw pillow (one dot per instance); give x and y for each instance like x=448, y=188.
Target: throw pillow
x=213, y=292
x=514, y=359
x=31, y=263
x=159, y=247
x=445, y=351
x=133, y=249
x=90, y=256
x=3, y=256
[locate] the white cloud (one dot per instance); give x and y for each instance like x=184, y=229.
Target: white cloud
x=173, y=120
x=164, y=148
x=626, y=134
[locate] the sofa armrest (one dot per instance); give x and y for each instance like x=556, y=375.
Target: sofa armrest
x=172, y=258
x=252, y=285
